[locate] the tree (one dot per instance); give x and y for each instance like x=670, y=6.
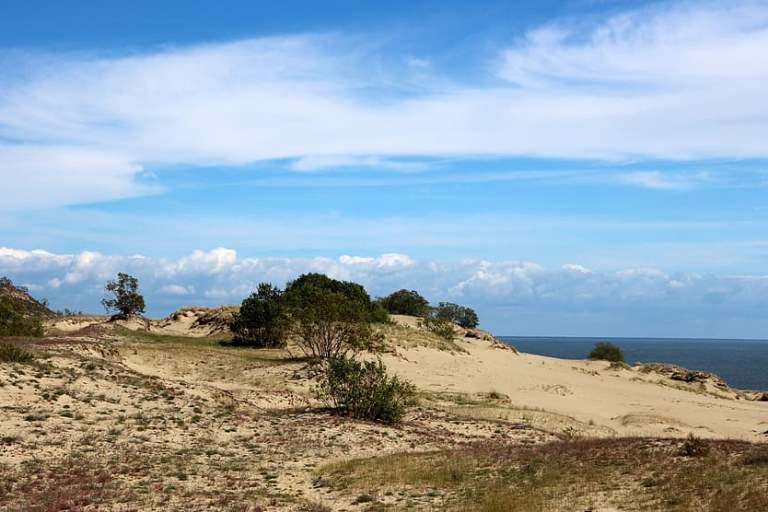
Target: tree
x=405, y=302
x=300, y=291
x=127, y=300
x=330, y=324
x=262, y=320
x=605, y=351
x=461, y=315
x=330, y=318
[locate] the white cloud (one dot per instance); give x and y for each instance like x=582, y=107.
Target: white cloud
x=176, y=289
x=50, y=175
x=219, y=276
x=676, y=81
x=323, y=162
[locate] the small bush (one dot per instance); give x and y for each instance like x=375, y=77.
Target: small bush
x=364, y=390
x=694, y=446
x=10, y=353
x=605, y=351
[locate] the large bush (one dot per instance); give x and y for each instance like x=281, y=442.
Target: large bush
x=365, y=390
x=262, y=321
x=405, y=302
x=605, y=351
x=302, y=292
x=16, y=321
x=330, y=324
x=461, y=315
x=126, y=299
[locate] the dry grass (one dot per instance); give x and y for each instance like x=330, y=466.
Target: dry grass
x=11, y=353
x=132, y=421
x=629, y=474
x=407, y=336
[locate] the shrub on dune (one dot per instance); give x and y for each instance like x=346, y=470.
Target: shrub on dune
x=605, y=351
x=363, y=389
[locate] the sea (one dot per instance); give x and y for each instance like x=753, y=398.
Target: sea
x=742, y=363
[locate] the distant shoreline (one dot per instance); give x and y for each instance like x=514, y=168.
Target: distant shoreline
x=739, y=362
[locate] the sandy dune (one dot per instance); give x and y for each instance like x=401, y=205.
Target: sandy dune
x=622, y=402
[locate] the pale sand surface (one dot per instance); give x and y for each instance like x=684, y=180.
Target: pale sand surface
x=626, y=402
x=172, y=406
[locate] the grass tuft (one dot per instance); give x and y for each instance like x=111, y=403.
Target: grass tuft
x=10, y=353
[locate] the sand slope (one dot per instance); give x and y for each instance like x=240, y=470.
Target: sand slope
x=586, y=396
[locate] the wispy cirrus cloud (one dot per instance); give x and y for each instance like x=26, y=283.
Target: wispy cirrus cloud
x=675, y=81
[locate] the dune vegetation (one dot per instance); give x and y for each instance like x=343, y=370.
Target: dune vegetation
x=209, y=409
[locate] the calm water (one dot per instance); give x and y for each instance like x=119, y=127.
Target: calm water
x=742, y=363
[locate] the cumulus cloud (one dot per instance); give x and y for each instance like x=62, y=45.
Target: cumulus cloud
x=673, y=81
x=493, y=287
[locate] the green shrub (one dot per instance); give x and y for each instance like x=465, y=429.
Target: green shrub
x=694, y=447
x=405, y=302
x=126, y=298
x=262, y=321
x=15, y=321
x=605, y=351
x=10, y=353
x=301, y=293
x=331, y=318
x=329, y=324
x=458, y=314
x=379, y=314
x=364, y=390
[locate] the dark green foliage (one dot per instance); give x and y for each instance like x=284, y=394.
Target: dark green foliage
x=262, y=321
x=127, y=300
x=302, y=290
x=364, y=390
x=379, y=315
x=68, y=312
x=605, y=351
x=22, y=301
x=10, y=353
x=300, y=293
x=694, y=447
x=405, y=302
x=461, y=315
x=329, y=324
x=16, y=321
x=330, y=318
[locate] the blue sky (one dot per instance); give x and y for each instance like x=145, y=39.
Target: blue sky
x=567, y=168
